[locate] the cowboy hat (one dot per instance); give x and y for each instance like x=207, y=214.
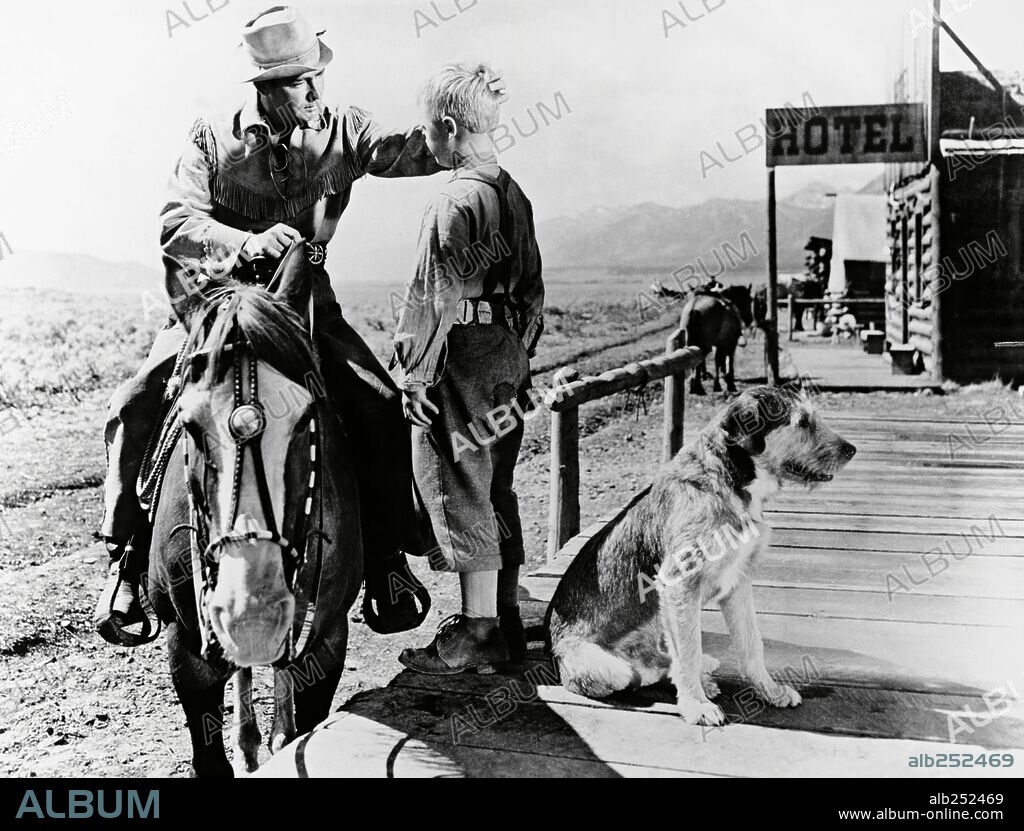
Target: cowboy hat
x=279, y=43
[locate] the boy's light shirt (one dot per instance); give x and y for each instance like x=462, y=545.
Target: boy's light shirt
x=459, y=241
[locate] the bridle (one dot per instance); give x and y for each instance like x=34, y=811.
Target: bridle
x=246, y=425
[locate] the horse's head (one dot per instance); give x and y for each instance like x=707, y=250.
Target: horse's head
x=251, y=443
x=742, y=300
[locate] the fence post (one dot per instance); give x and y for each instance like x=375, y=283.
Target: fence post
x=792, y=319
x=564, y=505
x=675, y=401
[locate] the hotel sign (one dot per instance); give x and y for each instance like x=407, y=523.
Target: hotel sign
x=882, y=133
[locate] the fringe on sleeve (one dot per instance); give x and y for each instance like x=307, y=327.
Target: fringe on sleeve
x=202, y=137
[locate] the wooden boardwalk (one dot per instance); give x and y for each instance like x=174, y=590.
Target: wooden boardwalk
x=845, y=367
x=882, y=646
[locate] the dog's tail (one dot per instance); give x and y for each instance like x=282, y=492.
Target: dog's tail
x=588, y=669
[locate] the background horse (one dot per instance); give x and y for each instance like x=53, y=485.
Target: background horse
x=803, y=288
x=717, y=322
x=760, y=304
x=256, y=554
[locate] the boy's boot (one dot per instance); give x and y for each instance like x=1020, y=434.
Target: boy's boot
x=461, y=643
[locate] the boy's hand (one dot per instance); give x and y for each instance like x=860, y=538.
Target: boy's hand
x=415, y=406
x=271, y=243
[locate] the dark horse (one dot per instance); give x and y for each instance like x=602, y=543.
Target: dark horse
x=257, y=554
x=806, y=289
x=761, y=307
x=717, y=321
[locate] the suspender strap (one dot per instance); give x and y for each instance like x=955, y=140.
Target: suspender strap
x=500, y=272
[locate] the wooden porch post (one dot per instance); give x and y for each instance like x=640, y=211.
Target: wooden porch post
x=935, y=158
x=564, y=500
x=938, y=370
x=771, y=328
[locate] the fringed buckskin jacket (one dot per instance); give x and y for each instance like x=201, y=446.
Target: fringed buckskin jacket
x=236, y=177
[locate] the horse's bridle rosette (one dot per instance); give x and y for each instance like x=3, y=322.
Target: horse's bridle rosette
x=247, y=422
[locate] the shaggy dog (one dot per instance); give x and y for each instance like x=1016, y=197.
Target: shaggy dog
x=627, y=612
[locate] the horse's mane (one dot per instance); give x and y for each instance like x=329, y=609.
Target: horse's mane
x=273, y=329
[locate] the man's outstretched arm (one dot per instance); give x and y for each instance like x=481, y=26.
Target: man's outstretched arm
x=390, y=153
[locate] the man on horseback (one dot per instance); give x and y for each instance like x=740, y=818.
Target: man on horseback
x=249, y=184
x=712, y=288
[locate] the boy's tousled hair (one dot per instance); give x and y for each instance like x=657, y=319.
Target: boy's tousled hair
x=463, y=92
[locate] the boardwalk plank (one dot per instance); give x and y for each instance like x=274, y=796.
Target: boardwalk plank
x=808, y=600
x=827, y=708
x=351, y=745
x=890, y=572
x=1005, y=528
x=578, y=733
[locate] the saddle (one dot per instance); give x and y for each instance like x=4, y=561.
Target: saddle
x=717, y=293
x=712, y=290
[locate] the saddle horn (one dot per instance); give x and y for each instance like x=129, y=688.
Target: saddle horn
x=293, y=281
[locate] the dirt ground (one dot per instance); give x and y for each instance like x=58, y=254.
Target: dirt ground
x=70, y=705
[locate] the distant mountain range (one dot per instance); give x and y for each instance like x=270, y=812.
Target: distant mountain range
x=642, y=238
x=76, y=272
x=650, y=237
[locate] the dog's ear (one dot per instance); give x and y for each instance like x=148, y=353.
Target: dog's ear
x=749, y=419
x=802, y=416
x=744, y=426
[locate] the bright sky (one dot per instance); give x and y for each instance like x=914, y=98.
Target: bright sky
x=643, y=105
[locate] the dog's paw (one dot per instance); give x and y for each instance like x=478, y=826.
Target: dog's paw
x=709, y=664
x=711, y=689
x=701, y=712
x=780, y=695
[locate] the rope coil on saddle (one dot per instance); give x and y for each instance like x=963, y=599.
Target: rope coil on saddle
x=158, y=452
x=161, y=444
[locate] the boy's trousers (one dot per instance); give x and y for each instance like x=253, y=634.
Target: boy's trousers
x=464, y=464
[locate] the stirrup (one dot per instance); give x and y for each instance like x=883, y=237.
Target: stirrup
x=113, y=627
x=398, y=614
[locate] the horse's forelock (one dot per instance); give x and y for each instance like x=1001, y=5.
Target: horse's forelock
x=275, y=332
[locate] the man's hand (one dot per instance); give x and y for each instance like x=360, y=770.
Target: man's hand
x=415, y=406
x=271, y=243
